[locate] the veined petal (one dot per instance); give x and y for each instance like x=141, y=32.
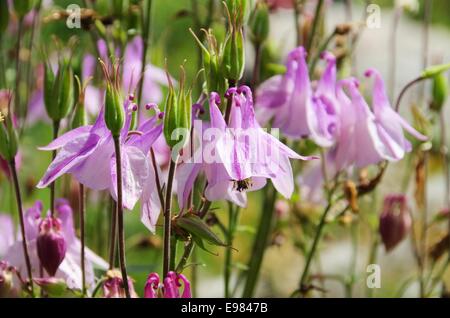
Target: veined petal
x=62, y=140
x=135, y=171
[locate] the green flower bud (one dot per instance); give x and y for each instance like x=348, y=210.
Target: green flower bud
x=432, y=71
x=4, y=16
x=237, y=10
x=58, y=91
x=114, y=112
x=259, y=23
x=8, y=140
x=170, y=116
x=234, y=55
x=22, y=7
x=177, y=113
x=440, y=92
x=212, y=63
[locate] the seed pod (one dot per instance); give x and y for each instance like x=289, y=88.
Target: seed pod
x=234, y=55
x=58, y=90
x=8, y=139
x=434, y=70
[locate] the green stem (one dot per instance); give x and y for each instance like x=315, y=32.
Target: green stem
x=233, y=215
x=257, y=65
x=12, y=166
x=303, y=288
x=173, y=252
x=322, y=48
x=311, y=39
x=113, y=235
x=167, y=217
x=52, y=185
x=261, y=240
x=122, y=261
x=82, y=211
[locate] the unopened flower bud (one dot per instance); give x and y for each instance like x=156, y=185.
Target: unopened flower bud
x=113, y=286
x=8, y=139
x=114, y=109
x=177, y=112
x=58, y=90
x=440, y=92
x=395, y=220
x=51, y=245
x=259, y=23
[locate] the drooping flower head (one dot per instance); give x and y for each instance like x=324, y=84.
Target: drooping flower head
x=239, y=156
x=51, y=246
x=171, y=287
x=299, y=110
x=395, y=220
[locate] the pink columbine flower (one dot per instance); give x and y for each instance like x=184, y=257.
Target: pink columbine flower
x=87, y=153
x=297, y=109
x=170, y=288
x=395, y=220
x=240, y=156
x=69, y=269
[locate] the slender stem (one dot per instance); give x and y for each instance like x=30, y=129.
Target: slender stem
x=123, y=267
x=231, y=83
x=257, y=65
x=298, y=27
x=82, y=198
x=303, y=287
x=146, y=22
x=173, y=252
x=373, y=254
x=261, y=240
x=167, y=216
x=353, y=262
x=423, y=238
x=322, y=48
x=52, y=185
x=157, y=178
x=12, y=166
x=228, y=256
x=311, y=39
x=113, y=235
x=405, y=88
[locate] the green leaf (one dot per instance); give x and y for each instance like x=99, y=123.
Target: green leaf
x=194, y=225
x=200, y=244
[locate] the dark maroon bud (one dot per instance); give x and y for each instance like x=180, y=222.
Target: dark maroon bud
x=395, y=220
x=51, y=246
